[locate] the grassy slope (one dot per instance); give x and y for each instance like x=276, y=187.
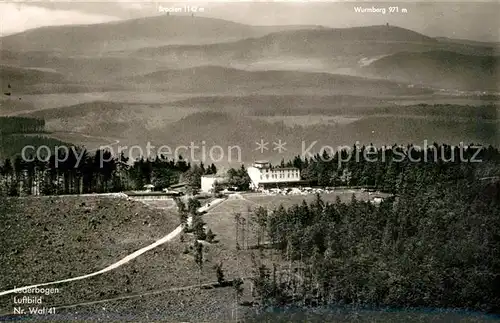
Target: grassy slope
x=52, y=238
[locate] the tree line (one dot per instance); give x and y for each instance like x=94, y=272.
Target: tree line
x=80, y=172
x=68, y=173
x=385, y=167
x=97, y=172
x=100, y=172
x=434, y=243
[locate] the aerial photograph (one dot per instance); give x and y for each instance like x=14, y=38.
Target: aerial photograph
x=250, y=161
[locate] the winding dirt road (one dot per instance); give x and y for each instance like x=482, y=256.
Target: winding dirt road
x=123, y=261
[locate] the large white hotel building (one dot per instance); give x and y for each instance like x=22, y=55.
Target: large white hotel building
x=262, y=175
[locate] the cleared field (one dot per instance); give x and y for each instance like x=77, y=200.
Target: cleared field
x=165, y=267
x=274, y=201
x=52, y=238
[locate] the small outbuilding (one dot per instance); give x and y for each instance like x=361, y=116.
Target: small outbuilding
x=208, y=182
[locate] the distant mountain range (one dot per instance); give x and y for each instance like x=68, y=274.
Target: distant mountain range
x=316, y=42
x=167, y=53
x=178, y=79
x=134, y=33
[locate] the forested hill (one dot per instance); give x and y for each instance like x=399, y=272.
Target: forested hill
x=433, y=248
x=433, y=244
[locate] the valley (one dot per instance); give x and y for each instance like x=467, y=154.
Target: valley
x=255, y=77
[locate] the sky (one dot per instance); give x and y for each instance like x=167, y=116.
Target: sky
x=465, y=20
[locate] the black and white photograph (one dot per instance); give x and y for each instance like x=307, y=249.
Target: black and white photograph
x=250, y=161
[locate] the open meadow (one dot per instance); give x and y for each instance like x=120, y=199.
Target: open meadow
x=52, y=238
